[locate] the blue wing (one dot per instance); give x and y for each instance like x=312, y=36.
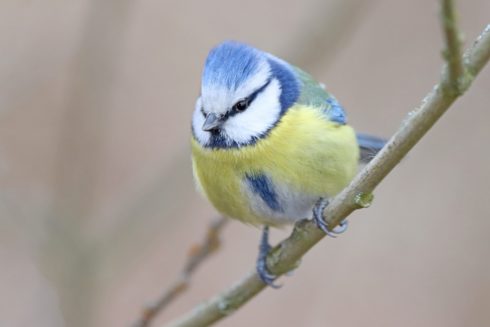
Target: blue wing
x=368, y=144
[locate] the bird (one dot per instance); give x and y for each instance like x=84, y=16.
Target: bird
x=270, y=145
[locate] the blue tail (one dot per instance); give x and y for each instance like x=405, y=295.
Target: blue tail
x=369, y=145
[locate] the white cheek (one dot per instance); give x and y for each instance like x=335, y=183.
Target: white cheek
x=262, y=114
x=197, y=122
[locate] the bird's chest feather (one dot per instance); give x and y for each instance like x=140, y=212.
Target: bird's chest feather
x=252, y=194
x=278, y=179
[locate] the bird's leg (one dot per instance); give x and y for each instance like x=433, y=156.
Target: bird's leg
x=264, y=247
x=318, y=209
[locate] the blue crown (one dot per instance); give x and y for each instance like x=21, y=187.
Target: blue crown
x=230, y=64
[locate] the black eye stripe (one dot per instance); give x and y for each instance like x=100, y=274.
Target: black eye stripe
x=259, y=90
x=249, y=99
x=233, y=111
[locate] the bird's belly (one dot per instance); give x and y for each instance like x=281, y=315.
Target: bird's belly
x=252, y=196
x=279, y=203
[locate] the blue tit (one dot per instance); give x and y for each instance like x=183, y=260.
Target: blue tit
x=270, y=145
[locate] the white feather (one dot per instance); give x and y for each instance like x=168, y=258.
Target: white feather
x=197, y=122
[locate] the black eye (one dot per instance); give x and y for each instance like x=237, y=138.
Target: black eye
x=241, y=105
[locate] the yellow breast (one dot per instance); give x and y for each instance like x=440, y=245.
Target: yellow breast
x=304, y=152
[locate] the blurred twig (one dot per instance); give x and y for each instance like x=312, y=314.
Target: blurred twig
x=197, y=255
x=357, y=195
x=68, y=257
x=329, y=27
x=140, y=218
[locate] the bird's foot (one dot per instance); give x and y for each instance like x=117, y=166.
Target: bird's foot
x=264, y=274
x=320, y=222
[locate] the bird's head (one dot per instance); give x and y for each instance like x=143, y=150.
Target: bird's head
x=244, y=93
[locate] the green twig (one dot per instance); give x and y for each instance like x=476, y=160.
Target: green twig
x=456, y=83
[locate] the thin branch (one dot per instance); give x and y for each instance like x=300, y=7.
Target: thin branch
x=452, y=51
x=357, y=195
x=197, y=255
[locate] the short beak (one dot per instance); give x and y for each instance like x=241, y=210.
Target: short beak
x=212, y=122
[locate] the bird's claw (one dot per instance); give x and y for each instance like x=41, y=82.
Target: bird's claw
x=264, y=274
x=322, y=224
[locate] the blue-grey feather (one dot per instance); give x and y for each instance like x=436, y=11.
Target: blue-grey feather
x=335, y=111
x=263, y=187
x=369, y=146
x=230, y=64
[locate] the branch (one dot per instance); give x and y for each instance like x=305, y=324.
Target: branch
x=452, y=51
x=197, y=255
x=357, y=195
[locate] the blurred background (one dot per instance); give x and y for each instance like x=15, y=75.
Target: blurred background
x=97, y=203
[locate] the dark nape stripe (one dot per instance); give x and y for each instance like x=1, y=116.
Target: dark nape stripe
x=289, y=84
